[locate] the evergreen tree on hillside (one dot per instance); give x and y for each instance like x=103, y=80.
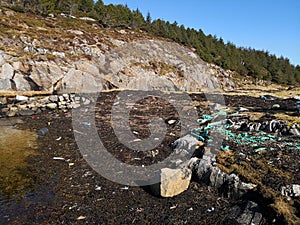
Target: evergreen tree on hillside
x=245, y=61
x=86, y=6
x=148, y=18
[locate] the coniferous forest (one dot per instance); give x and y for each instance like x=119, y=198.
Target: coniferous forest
x=260, y=65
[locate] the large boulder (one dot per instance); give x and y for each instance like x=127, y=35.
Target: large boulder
x=7, y=71
x=7, y=84
x=246, y=213
x=151, y=83
x=78, y=81
x=39, y=75
x=21, y=83
x=2, y=61
x=55, y=72
x=46, y=74
x=174, y=181
x=88, y=67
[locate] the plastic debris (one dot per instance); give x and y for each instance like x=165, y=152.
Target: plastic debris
x=86, y=124
x=171, y=122
x=173, y=207
x=260, y=149
x=291, y=190
x=276, y=106
x=81, y=218
x=242, y=109
x=58, y=139
x=268, y=97
x=255, y=134
x=73, y=206
x=224, y=148
x=98, y=188
x=59, y=158
x=43, y=131
x=211, y=209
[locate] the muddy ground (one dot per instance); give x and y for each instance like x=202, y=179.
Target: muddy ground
x=69, y=191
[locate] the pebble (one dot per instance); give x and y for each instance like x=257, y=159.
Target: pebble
x=51, y=105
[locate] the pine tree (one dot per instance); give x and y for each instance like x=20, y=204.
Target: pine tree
x=148, y=18
x=86, y=5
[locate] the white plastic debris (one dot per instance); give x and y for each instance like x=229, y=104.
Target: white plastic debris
x=59, y=158
x=173, y=207
x=171, y=122
x=81, y=218
x=291, y=190
x=211, y=209
x=242, y=109
x=98, y=188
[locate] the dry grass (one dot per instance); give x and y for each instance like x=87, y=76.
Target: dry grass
x=255, y=175
x=254, y=116
x=24, y=93
x=273, y=89
x=288, y=118
x=285, y=209
x=288, y=93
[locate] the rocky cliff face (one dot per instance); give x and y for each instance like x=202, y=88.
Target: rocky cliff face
x=74, y=55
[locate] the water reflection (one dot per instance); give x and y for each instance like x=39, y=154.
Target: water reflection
x=15, y=146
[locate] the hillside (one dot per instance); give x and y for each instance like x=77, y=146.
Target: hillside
x=261, y=66
x=57, y=53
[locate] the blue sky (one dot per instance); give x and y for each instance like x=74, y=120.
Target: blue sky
x=270, y=25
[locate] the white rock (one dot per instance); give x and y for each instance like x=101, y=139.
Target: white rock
x=51, y=105
x=2, y=61
x=59, y=54
x=291, y=190
x=21, y=98
x=88, y=67
x=53, y=98
x=7, y=84
x=22, y=107
x=17, y=65
x=77, y=32
x=87, y=19
x=21, y=83
x=7, y=71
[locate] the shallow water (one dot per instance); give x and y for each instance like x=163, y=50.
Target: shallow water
x=15, y=147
